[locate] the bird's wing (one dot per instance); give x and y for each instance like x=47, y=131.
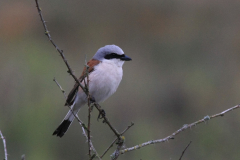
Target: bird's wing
x=72, y=94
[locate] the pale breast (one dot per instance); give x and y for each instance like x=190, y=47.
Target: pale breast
x=104, y=81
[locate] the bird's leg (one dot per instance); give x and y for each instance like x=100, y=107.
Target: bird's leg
x=101, y=114
x=92, y=99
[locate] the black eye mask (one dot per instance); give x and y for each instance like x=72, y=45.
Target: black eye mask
x=114, y=55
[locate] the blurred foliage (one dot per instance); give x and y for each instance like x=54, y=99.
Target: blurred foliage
x=185, y=66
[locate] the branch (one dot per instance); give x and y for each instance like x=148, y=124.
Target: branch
x=186, y=126
x=185, y=150
x=89, y=109
x=63, y=91
x=4, y=145
x=47, y=33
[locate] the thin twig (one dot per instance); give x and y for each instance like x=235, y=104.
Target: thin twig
x=93, y=149
x=186, y=126
x=4, y=145
x=116, y=140
x=109, y=147
x=54, y=79
x=185, y=150
x=128, y=127
x=89, y=110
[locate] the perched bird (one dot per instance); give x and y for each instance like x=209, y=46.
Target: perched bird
x=105, y=74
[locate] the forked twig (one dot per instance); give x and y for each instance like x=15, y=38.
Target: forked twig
x=4, y=145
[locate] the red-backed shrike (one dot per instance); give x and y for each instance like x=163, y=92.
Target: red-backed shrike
x=105, y=74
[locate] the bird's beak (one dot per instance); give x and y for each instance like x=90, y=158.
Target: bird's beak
x=126, y=58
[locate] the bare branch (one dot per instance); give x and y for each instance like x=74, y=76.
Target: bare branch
x=128, y=127
x=60, y=87
x=47, y=33
x=89, y=109
x=109, y=147
x=185, y=150
x=4, y=145
x=186, y=126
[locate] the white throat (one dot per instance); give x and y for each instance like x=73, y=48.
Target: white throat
x=116, y=62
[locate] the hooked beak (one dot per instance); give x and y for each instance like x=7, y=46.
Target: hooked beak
x=126, y=58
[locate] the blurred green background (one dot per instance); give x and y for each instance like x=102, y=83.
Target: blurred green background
x=185, y=66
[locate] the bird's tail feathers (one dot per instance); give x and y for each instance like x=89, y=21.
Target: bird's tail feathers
x=67, y=121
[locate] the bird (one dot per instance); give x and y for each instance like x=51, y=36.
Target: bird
x=104, y=73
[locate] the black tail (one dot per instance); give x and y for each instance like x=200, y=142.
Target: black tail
x=62, y=128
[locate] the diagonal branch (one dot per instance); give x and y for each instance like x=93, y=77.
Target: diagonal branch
x=4, y=145
x=47, y=33
x=186, y=126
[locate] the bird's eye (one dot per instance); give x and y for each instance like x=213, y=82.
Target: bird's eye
x=113, y=55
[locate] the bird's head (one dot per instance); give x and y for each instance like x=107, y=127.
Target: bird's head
x=111, y=54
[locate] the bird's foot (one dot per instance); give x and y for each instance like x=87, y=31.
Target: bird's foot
x=92, y=99
x=101, y=114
